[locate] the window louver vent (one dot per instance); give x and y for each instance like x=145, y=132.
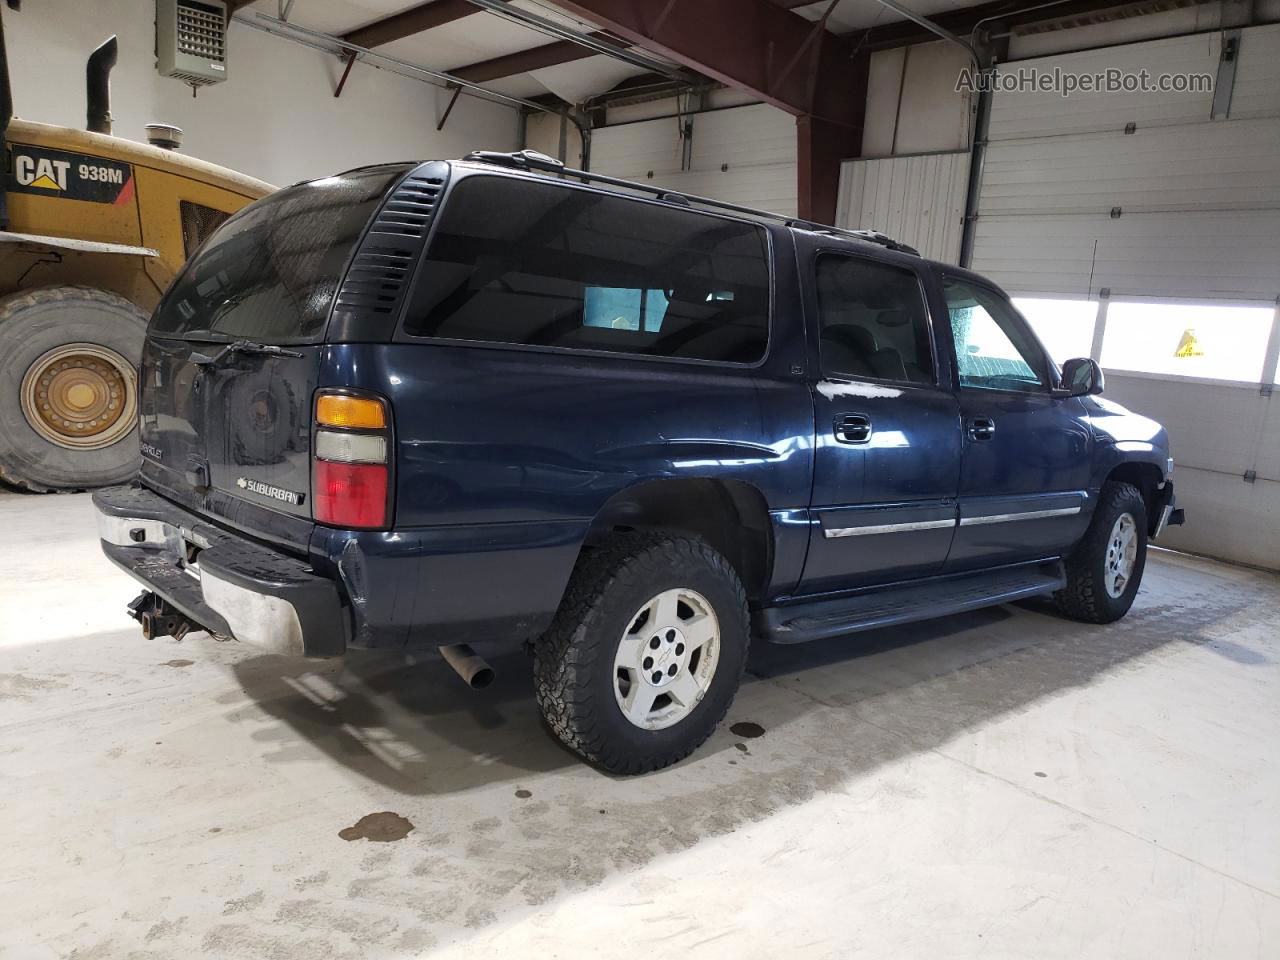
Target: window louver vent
x=374, y=286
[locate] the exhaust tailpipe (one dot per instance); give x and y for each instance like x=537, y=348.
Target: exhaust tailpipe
x=469, y=665
x=98, y=86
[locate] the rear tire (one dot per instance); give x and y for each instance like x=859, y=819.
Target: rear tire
x=68, y=388
x=674, y=592
x=1105, y=569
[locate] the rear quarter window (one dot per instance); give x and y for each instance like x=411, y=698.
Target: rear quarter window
x=521, y=262
x=270, y=273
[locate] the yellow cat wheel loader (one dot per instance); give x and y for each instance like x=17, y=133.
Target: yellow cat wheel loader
x=92, y=229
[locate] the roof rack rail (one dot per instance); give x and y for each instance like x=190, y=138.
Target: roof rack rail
x=541, y=163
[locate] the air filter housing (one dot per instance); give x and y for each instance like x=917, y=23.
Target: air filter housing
x=191, y=40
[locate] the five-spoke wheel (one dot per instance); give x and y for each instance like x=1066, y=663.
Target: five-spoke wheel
x=666, y=658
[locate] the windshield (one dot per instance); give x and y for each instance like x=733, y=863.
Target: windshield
x=271, y=272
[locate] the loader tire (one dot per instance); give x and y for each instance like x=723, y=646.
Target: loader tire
x=68, y=388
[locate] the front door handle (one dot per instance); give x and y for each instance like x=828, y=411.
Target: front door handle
x=853, y=428
x=982, y=428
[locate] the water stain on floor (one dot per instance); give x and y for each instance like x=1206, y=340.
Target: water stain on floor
x=177, y=663
x=16, y=686
x=747, y=730
x=381, y=827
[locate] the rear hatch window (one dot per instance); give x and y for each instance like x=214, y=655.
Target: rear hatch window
x=271, y=272
x=226, y=427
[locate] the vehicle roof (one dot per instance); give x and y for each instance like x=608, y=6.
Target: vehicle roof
x=508, y=164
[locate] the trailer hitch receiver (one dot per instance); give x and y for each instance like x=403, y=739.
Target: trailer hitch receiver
x=158, y=618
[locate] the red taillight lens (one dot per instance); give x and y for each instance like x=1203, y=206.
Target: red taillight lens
x=351, y=461
x=350, y=494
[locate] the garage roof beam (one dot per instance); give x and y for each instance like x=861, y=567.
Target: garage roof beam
x=747, y=44
x=770, y=53
x=406, y=23
x=590, y=41
x=537, y=58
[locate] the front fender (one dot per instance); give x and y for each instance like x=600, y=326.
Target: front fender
x=1122, y=437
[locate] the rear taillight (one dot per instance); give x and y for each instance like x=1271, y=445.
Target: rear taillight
x=351, y=472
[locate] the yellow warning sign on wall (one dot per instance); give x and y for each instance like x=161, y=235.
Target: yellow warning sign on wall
x=1188, y=346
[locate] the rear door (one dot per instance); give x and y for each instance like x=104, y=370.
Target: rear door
x=1025, y=469
x=887, y=446
x=234, y=350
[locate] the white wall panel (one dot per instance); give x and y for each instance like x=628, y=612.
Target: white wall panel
x=275, y=117
x=1198, y=198
x=1211, y=426
x=1227, y=255
x=1216, y=433
x=755, y=145
x=1227, y=518
x=633, y=150
x=918, y=200
x=933, y=115
x=1038, y=114
x=1257, y=74
x=1220, y=166
x=884, y=92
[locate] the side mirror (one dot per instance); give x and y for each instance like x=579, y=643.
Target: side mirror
x=1081, y=377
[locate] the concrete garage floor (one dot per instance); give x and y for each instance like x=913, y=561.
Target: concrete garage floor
x=1003, y=784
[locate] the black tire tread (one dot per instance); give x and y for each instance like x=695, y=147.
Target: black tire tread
x=1081, y=598
x=566, y=656
x=15, y=303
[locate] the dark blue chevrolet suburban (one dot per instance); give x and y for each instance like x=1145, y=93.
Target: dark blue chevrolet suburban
x=495, y=398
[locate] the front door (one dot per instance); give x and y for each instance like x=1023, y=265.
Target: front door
x=887, y=454
x=1025, y=469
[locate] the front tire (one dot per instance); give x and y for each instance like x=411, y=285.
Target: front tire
x=646, y=652
x=1105, y=568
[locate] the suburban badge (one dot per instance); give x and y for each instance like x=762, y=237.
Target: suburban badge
x=267, y=490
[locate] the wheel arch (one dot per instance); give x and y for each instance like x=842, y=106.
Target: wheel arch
x=28, y=267
x=730, y=515
x=1147, y=477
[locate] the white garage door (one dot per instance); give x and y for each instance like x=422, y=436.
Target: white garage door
x=1163, y=213
x=743, y=155
x=1182, y=205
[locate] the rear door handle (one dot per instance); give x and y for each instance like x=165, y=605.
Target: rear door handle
x=982, y=428
x=853, y=428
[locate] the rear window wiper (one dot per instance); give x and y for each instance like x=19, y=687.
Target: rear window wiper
x=243, y=346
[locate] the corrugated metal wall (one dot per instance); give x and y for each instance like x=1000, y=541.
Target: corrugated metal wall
x=916, y=199
x=744, y=155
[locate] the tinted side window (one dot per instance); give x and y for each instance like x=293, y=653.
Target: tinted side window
x=873, y=321
x=993, y=350
x=515, y=261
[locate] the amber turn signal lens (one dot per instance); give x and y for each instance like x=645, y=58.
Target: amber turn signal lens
x=339, y=410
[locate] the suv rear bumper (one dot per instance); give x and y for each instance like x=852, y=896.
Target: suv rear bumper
x=233, y=584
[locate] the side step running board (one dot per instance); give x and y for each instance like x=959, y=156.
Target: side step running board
x=821, y=619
